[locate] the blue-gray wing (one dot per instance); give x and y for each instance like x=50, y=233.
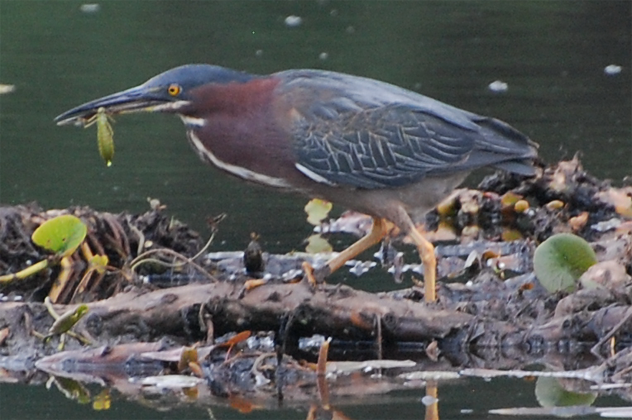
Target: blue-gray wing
x=390, y=146
x=358, y=132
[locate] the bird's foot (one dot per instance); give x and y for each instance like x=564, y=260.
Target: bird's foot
x=315, y=276
x=430, y=292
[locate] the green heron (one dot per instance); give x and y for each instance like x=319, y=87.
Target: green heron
x=365, y=144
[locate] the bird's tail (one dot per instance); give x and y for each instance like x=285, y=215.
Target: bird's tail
x=505, y=147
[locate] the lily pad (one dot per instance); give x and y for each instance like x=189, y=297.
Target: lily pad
x=317, y=210
x=560, y=261
x=61, y=235
x=317, y=244
x=550, y=393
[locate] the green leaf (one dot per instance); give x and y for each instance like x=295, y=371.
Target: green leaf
x=550, y=393
x=317, y=244
x=560, y=261
x=68, y=320
x=73, y=390
x=317, y=210
x=99, y=263
x=61, y=235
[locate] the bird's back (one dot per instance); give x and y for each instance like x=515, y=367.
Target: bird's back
x=359, y=132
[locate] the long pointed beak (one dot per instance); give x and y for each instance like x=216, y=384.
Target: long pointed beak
x=136, y=99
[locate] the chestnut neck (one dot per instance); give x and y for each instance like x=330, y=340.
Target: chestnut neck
x=233, y=97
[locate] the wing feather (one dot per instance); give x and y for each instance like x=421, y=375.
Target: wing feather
x=380, y=147
x=357, y=132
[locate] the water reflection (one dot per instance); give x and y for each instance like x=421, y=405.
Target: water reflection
x=457, y=399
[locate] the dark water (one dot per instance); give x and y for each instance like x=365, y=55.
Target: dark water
x=552, y=55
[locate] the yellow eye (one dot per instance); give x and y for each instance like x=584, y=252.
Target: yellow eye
x=174, y=90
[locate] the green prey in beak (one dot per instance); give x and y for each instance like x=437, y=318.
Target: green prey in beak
x=168, y=92
x=99, y=112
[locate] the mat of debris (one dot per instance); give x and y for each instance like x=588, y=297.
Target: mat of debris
x=244, y=328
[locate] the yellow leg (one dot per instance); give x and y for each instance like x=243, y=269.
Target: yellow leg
x=378, y=231
x=427, y=256
x=432, y=410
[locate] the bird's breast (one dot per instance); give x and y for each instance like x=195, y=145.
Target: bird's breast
x=240, y=167
x=237, y=128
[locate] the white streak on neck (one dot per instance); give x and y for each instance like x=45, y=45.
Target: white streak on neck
x=192, y=121
x=313, y=175
x=232, y=169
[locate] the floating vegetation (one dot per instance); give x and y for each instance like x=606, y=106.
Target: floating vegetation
x=4, y=89
x=561, y=260
x=492, y=312
x=62, y=234
x=317, y=210
x=550, y=393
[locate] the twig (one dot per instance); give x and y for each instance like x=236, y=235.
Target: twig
x=142, y=259
x=378, y=338
x=595, y=349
